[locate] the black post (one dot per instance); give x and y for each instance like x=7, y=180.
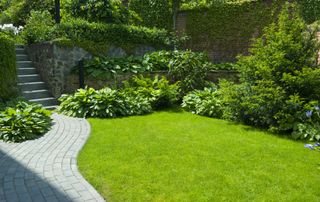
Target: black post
x=81, y=74
x=57, y=11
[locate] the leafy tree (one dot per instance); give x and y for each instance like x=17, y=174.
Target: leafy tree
x=17, y=11
x=109, y=11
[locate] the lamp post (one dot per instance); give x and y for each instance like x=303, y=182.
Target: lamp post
x=57, y=11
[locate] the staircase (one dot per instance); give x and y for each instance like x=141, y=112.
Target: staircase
x=31, y=86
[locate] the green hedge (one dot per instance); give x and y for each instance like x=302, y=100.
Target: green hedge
x=8, y=70
x=40, y=29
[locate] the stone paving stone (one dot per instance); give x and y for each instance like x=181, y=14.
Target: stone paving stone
x=46, y=169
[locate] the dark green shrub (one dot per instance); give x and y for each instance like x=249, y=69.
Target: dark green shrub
x=190, y=68
x=204, y=102
x=24, y=122
x=8, y=70
x=98, y=10
x=159, y=92
x=78, y=30
x=18, y=11
x=39, y=27
x=279, y=79
x=104, y=103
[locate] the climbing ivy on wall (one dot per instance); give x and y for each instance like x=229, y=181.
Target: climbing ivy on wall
x=153, y=13
x=227, y=28
x=310, y=10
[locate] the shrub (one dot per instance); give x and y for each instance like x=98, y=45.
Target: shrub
x=138, y=97
x=279, y=79
x=204, y=102
x=8, y=70
x=158, y=60
x=158, y=91
x=104, y=103
x=24, y=122
x=17, y=11
x=39, y=27
x=78, y=30
x=98, y=10
x=190, y=68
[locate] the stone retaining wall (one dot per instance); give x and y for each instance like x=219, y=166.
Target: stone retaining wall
x=54, y=63
x=98, y=83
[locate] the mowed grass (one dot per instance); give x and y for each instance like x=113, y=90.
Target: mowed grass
x=178, y=156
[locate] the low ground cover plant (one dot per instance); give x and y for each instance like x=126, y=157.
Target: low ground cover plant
x=23, y=121
x=140, y=96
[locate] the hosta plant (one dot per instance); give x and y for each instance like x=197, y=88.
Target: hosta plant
x=203, y=102
x=104, y=103
x=24, y=122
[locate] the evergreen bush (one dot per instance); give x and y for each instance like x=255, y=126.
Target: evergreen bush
x=280, y=80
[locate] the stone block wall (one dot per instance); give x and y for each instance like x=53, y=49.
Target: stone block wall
x=54, y=63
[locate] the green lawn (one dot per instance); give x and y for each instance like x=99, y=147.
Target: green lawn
x=178, y=156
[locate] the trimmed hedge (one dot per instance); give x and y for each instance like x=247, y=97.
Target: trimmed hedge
x=8, y=70
x=38, y=29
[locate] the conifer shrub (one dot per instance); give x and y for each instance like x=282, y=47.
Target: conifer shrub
x=280, y=80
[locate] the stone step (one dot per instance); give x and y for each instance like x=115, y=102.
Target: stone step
x=20, y=51
x=53, y=107
x=46, y=102
x=22, y=57
x=24, y=64
x=32, y=86
x=25, y=71
x=36, y=94
x=29, y=78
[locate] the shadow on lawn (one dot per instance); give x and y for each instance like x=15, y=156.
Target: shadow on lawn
x=249, y=128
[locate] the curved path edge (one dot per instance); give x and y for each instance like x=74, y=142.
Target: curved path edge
x=46, y=169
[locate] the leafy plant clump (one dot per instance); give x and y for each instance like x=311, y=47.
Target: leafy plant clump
x=204, y=102
x=110, y=67
x=160, y=93
x=104, y=103
x=24, y=122
x=140, y=96
x=187, y=67
x=280, y=82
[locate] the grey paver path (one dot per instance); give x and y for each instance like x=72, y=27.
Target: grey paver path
x=46, y=169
